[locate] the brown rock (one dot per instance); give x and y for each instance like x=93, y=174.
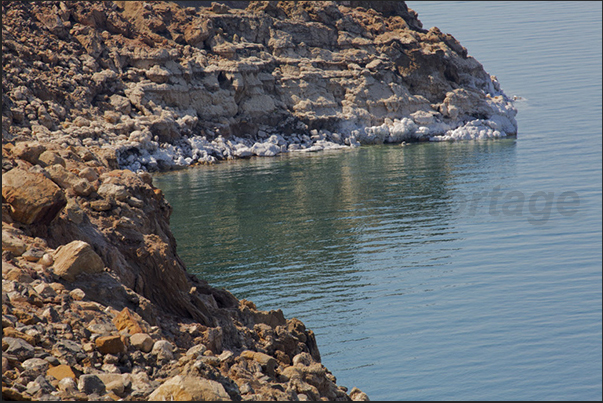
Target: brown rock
x=69, y=180
x=19, y=276
x=190, y=388
x=110, y=345
x=100, y=205
x=50, y=158
x=13, y=394
x=12, y=243
x=28, y=151
x=12, y=332
x=130, y=321
x=75, y=258
x=33, y=198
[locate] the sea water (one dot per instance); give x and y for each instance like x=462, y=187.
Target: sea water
x=438, y=271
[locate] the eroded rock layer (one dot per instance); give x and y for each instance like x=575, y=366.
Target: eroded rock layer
x=165, y=86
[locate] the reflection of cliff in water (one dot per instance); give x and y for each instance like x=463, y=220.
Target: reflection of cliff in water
x=284, y=225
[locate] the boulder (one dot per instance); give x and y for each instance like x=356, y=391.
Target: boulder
x=29, y=152
x=61, y=372
x=164, y=350
x=142, y=342
x=110, y=344
x=13, y=244
x=48, y=158
x=190, y=388
x=130, y=321
x=18, y=347
x=36, y=365
x=69, y=180
x=33, y=198
x=90, y=384
x=75, y=258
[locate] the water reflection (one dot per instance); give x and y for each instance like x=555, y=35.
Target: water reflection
x=301, y=232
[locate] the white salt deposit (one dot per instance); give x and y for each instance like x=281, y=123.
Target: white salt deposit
x=454, y=122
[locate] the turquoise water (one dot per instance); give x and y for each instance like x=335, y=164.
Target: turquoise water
x=418, y=284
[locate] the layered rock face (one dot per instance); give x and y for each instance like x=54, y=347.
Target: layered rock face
x=166, y=86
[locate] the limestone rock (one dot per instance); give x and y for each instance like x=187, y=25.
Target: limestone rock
x=164, y=350
x=33, y=198
x=358, y=396
x=190, y=388
x=142, y=341
x=75, y=258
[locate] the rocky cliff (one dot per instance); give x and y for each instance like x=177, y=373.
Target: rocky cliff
x=162, y=86
x=96, y=303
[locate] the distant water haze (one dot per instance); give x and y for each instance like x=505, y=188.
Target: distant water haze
x=435, y=271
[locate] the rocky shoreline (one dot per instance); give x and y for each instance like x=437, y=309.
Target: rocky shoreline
x=96, y=303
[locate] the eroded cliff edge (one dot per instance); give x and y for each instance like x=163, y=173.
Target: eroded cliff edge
x=96, y=302
x=163, y=86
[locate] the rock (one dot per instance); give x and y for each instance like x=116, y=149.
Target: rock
x=33, y=198
x=77, y=294
x=28, y=152
x=61, y=372
x=68, y=384
x=196, y=351
x=190, y=388
x=100, y=205
x=5, y=365
x=36, y=365
x=12, y=244
x=46, y=259
x=19, y=276
x=111, y=191
x=90, y=384
x=51, y=315
x=39, y=386
x=68, y=352
x=110, y=345
x=358, y=396
x=50, y=158
x=164, y=350
x=130, y=321
x=75, y=258
x=142, y=342
x=18, y=347
x=12, y=332
x=69, y=180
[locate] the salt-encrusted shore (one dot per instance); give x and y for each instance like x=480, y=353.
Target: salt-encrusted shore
x=96, y=303
x=165, y=87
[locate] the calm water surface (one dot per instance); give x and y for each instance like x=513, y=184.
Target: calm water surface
x=418, y=285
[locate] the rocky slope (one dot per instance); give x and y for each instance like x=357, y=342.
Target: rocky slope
x=163, y=86
x=96, y=303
